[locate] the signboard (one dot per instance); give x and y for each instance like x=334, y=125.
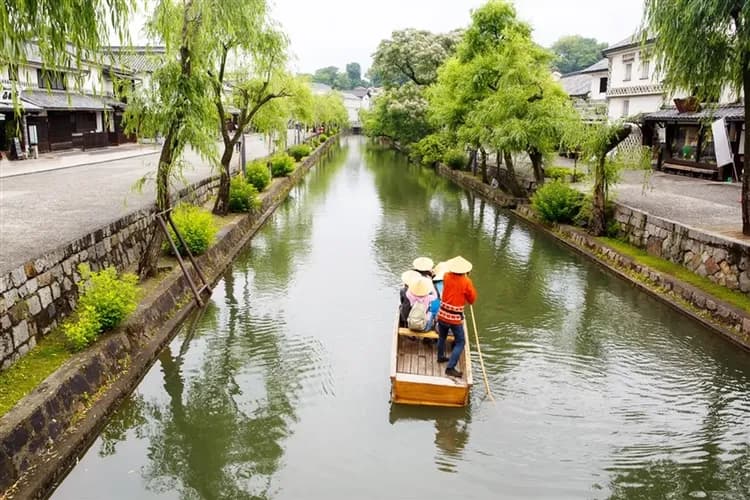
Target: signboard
x=721, y=143
x=6, y=96
x=33, y=138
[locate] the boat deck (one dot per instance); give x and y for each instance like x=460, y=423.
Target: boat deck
x=419, y=357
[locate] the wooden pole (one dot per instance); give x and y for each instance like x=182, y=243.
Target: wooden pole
x=479, y=352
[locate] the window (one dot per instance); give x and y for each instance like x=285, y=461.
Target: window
x=602, y=85
x=685, y=143
x=625, y=107
x=645, y=64
x=628, y=71
x=54, y=80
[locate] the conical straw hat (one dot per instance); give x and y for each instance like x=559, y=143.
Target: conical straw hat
x=409, y=277
x=459, y=265
x=440, y=269
x=423, y=264
x=421, y=287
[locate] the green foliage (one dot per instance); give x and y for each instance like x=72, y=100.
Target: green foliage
x=299, y=151
x=454, y=158
x=112, y=297
x=258, y=174
x=399, y=114
x=196, y=226
x=282, y=165
x=412, y=56
x=563, y=174
x=574, y=53
x=243, y=196
x=430, y=150
x=329, y=109
x=84, y=330
x=105, y=299
x=322, y=138
x=557, y=202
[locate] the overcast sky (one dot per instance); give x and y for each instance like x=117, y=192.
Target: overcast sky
x=336, y=32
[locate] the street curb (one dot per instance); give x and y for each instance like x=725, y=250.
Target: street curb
x=77, y=165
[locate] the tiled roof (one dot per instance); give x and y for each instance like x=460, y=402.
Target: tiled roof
x=632, y=41
x=576, y=84
x=61, y=100
x=730, y=112
x=138, y=59
x=600, y=65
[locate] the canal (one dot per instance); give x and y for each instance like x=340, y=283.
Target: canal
x=279, y=388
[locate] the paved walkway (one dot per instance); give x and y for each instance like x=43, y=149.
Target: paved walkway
x=42, y=210
x=711, y=206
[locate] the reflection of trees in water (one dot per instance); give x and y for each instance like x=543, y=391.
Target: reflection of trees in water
x=451, y=430
x=667, y=479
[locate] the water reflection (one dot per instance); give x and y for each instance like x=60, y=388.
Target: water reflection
x=280, y=390
x=451, y=431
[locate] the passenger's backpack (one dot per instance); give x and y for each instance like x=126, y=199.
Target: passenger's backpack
x=417, y=319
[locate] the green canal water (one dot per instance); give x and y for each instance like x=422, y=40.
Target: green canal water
x=279, y=388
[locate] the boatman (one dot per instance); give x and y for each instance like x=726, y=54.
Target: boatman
x=458, y=290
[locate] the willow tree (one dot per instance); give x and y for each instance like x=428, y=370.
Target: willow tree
x=178, y=104
x=705, y=46
x=329, y=110
x=61, y=28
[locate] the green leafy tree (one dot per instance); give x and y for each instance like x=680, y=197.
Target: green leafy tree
x=178, y=106
x=354, y=73
x=412, y=56
x=706, y=46
x=329, y=110
x=326, y=75
x=399, y=114
x=574, y=53
x=62, y=29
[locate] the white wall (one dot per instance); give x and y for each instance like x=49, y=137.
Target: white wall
x=594, y=93
x=637, y=104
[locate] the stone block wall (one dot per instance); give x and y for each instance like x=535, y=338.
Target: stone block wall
x=722, y=260
x=35, y=296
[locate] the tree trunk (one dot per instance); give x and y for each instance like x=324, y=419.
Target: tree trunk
x=536, y=163
x=598, y=211
x=221, y=206
x=471, y=162
x=513, y=185
x=746, y=152
x=485, y=178
x=147, y=265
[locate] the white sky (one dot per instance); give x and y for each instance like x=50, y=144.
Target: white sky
x=336, y=32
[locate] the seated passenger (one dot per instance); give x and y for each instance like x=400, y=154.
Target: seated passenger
x=421, y=296
x=407, y=278
x=439, y=273
x=423, y=265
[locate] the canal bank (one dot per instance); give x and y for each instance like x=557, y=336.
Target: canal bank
x=280, y=389
x=42, y=436
x=725, y=319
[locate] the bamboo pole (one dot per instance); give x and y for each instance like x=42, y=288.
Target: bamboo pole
x=479, y=352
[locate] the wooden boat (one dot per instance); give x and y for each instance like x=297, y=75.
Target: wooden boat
x=416, y=376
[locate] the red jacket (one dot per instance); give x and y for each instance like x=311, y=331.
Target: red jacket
x=457, y=291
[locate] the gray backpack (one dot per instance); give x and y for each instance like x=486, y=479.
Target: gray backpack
x=417, y=320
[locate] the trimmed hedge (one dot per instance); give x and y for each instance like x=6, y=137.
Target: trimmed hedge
x=557, y=202
x=258, y=174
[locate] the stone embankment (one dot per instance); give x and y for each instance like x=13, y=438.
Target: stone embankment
x=722, y=260
x=42, y=436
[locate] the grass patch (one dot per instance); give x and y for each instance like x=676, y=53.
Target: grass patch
x=21, y=378
x=737, y=299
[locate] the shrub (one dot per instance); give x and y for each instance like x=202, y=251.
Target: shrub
x=300, y=151
x=322, y=138
x=563, y=174
x=105, y=299
x=557, y=202
x=243, y=197
x=258, y=174
x=430, y=149
x=282, y=165
x=454, y=158
x=196, y=226
x=83, y=330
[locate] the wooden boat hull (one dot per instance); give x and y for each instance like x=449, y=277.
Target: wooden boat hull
x=417, y=378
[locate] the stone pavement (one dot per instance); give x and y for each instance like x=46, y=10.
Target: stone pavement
x=713, y=207
x=43, y=210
